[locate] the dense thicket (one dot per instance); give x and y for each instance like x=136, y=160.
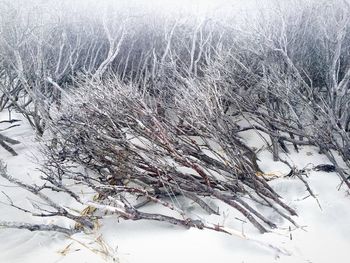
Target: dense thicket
x=153, y=104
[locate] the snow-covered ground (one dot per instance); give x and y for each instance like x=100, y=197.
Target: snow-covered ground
x=323, y=234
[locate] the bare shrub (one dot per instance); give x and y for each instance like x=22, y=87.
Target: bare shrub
x=138, y=145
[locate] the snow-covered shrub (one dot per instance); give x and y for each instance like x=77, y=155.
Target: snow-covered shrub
x=135, y=146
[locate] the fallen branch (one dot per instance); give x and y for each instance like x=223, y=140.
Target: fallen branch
x=37, y=227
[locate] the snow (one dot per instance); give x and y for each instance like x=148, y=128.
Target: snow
x=323, y=235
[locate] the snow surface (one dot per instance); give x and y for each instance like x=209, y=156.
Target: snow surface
x=322, y=236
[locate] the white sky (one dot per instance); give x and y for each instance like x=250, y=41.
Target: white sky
x=168, y=5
